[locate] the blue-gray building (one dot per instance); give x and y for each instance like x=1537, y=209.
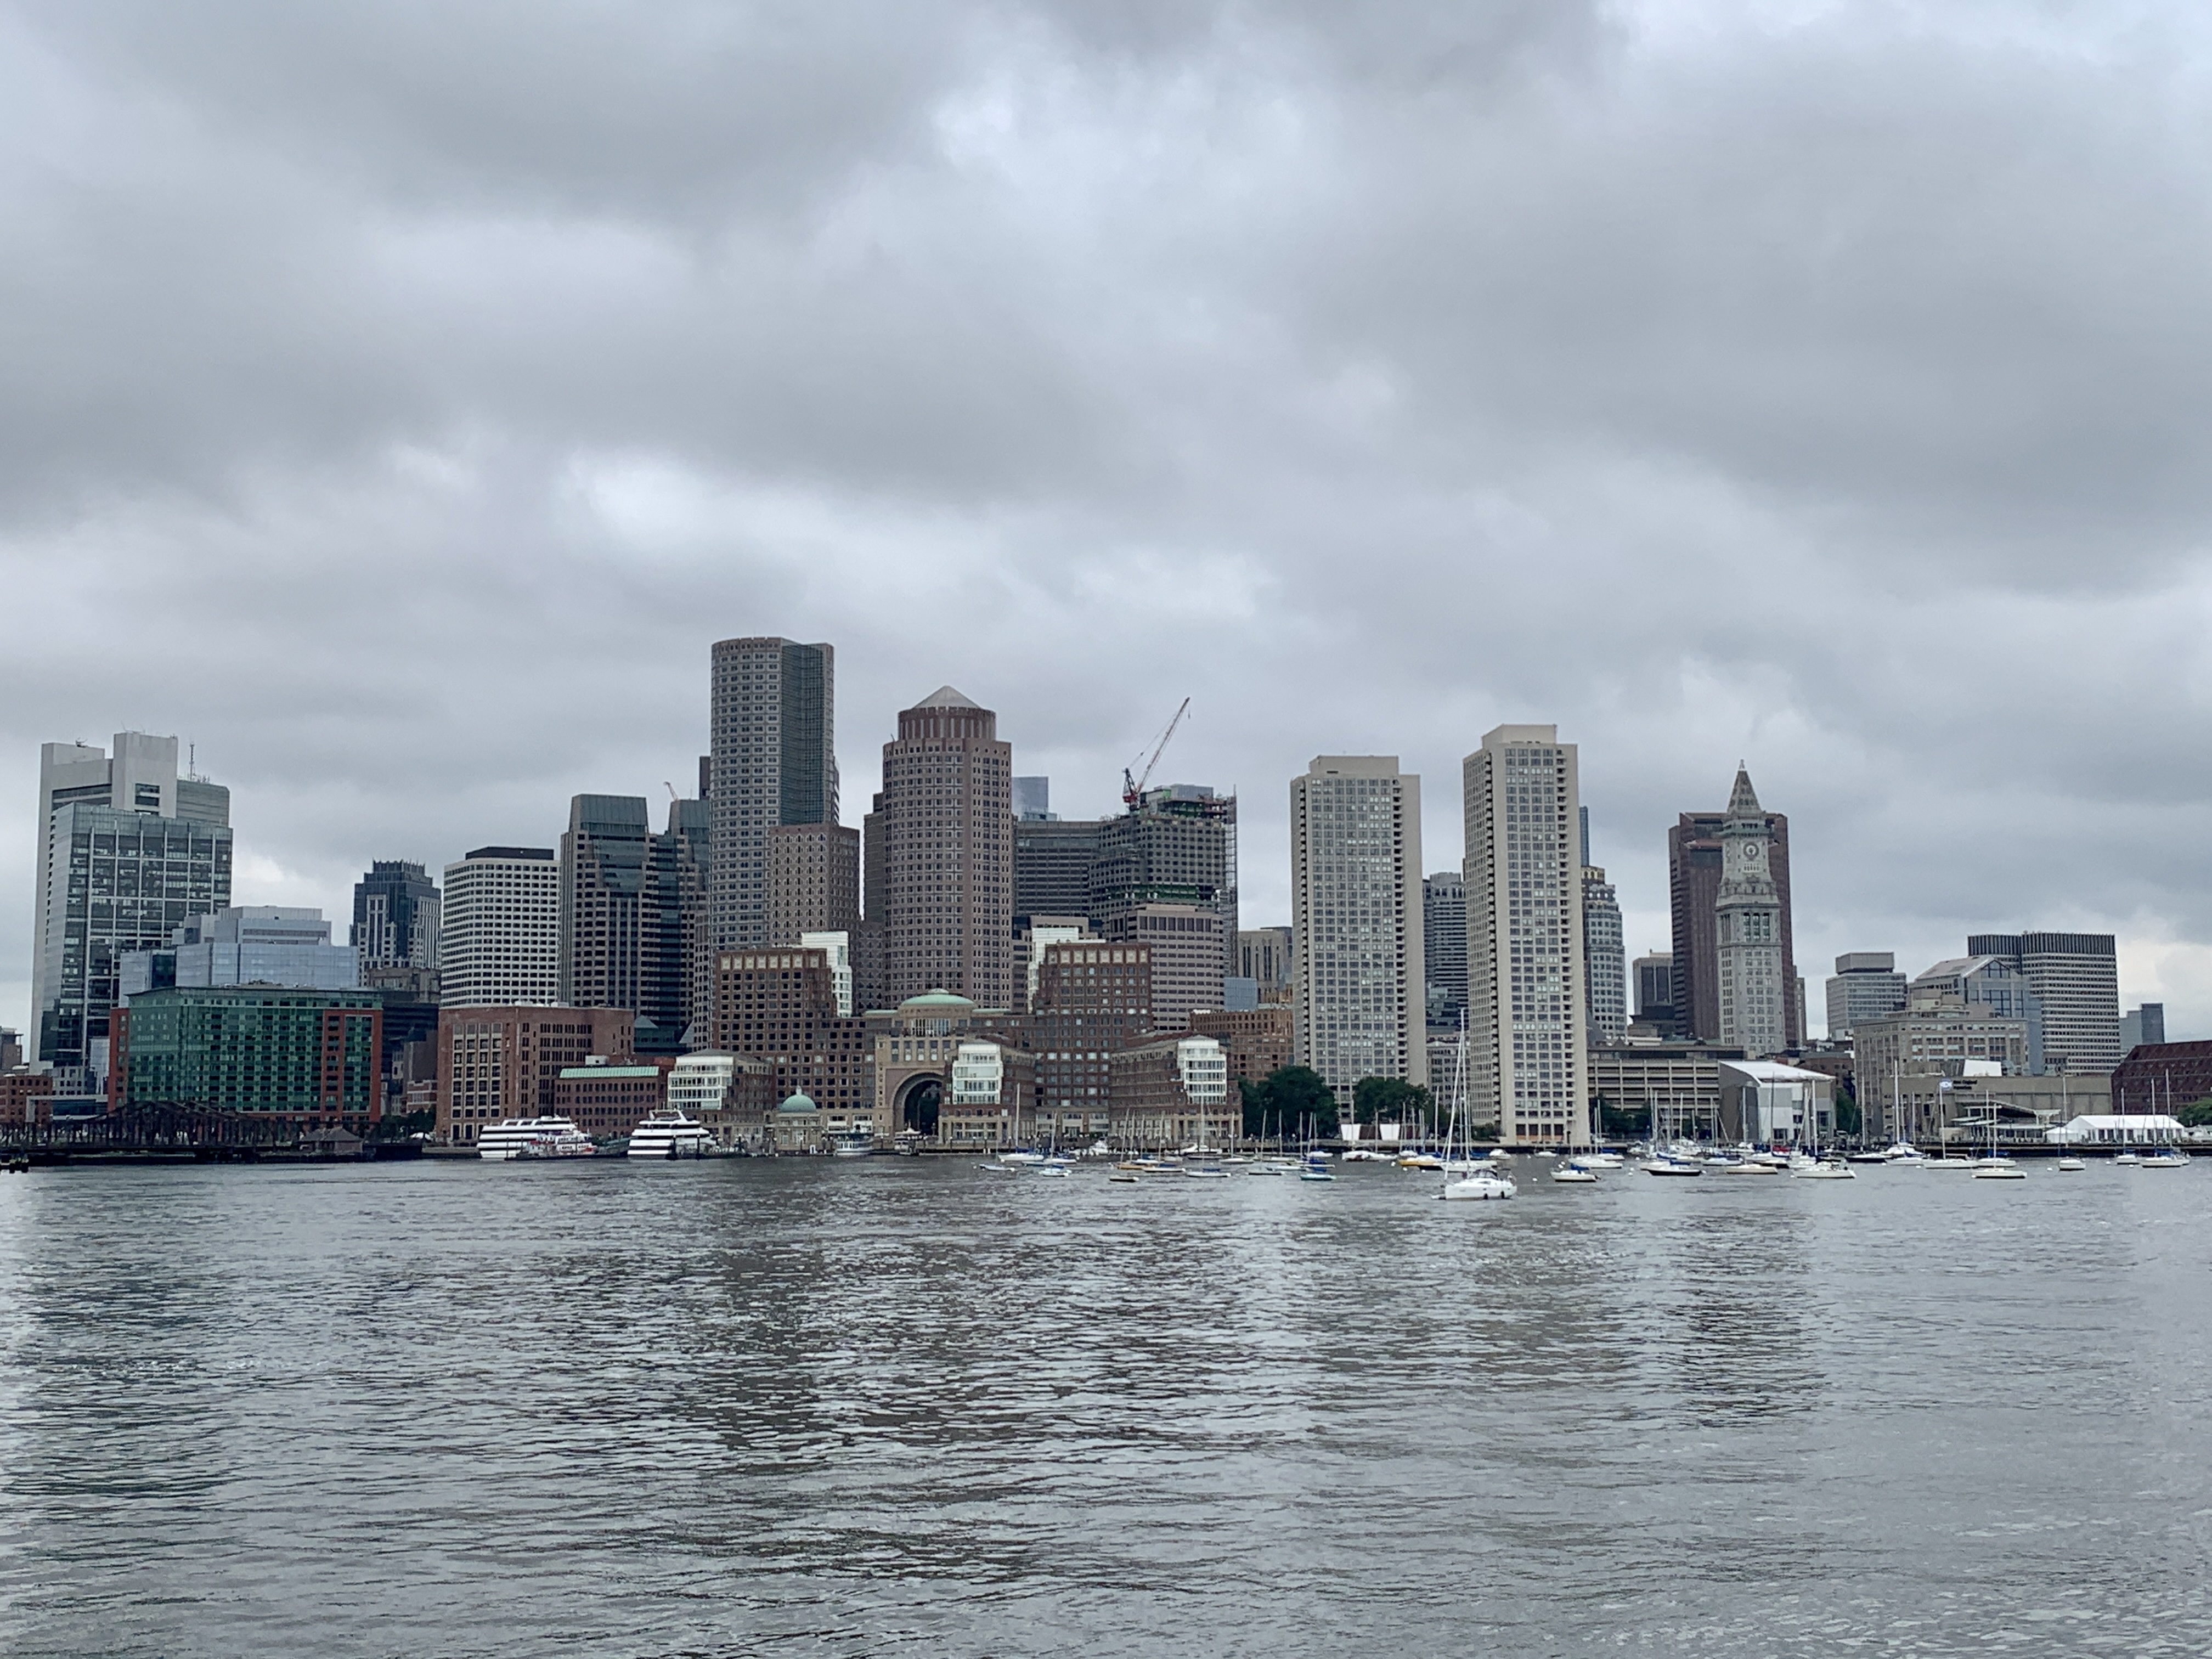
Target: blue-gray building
x=245, y=945
x=1993, y=983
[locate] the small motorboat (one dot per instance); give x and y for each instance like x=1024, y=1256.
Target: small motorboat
x=2128, y=1157
x=2071, y=1163
x=1573, y=1175
x=1316, y=1172
x=1485, y=1185
x=1421, y=1161
x=1994, y=1167
x=1904, y=1151
x=1825, y=1169
x=1663, y=1165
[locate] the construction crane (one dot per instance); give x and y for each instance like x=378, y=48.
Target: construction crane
x=1132, y=788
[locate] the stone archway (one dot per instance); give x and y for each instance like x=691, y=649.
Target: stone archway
x=920, y=1100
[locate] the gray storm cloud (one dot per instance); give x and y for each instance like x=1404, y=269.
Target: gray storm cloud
x=396, y=400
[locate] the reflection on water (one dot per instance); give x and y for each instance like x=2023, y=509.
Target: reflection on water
x=864, y=1406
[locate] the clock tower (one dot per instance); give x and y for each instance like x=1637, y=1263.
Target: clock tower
x=1748, y=932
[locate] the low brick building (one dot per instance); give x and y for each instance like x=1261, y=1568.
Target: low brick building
x=23, y=1097
x=605, y=1100
x=1257, y=1040
x=1174, y=1092
x=498, y=1061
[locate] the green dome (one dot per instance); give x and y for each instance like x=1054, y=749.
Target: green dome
x=797, y=1103
x=940, y=998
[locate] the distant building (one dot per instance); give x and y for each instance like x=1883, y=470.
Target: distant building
x=1670, y=1091
x=1177, y=845
x=947, y=828
x=499, y=1061
x=1257, y=1041
x=2161, y=1077
x=2141, y=1025
x=11, y=1048
x=774, y=762
x=307, y=1056
x=1033, y=801
x=1604, y=968
x=2075, y=977
x=395, y=916
x=1173, y=1093
x=1092, y=997
x=1361, y=981
x=625, y=940
x=1187, y=954
x=836, y=948
x=245, y=945
x=1654, y=989
x=1035, y=935
x=128, y=849
x=1694, y=859
x=813, y=881
x=1756, y=980
x=780, y=1006
x=1443, y=946
x=1051, y=867
x=1526, y=1017
x=1867, y=986
x=1264, y=956
x=603, y=1099
x=917, y=1046
x=1767, y=1103
x=1993, y=983
x=498, y=940
x=1900, y=1058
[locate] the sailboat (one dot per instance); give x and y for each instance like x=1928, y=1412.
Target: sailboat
x=1993, y=1165
x=1479, y=1180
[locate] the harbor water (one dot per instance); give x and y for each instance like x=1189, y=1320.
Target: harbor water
x=900, y=1406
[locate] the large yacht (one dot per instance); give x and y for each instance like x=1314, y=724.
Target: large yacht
x=668, y=1134
x=533, y=1137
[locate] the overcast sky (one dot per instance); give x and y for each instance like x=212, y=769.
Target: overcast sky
x=396, y=401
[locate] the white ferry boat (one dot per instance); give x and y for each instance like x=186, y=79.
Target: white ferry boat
x=669, y=1134
x=533, y=1137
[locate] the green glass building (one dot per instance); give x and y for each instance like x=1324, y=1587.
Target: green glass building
x=251, y=1048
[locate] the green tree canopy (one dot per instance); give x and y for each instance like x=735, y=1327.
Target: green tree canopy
x=2198, y=1114
x=1289, y=1101
x=1389, y=1100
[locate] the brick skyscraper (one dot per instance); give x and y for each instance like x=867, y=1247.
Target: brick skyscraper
x=946, y=824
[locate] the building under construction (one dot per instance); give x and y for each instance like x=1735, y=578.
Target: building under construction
x=1175, y=845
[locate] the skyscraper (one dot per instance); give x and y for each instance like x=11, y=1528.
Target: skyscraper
x=1867, y=986
x=1359, y=976
x=946, y=824
x=1754, y=976
x=625, y=938
x=775, y=761
x=1603, y=953
x=395, y=916
x=1443, y=946
x=2076, y=976
x=499, y=941
x=813, y=881
x=1052, y=865
x=128, y=851
x=1527, y=1017
x=1176, y=846
x=1654, y=989
x=1693, y=870
x=1033, y=801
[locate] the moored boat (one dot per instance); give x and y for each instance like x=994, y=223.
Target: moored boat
x=521, y=1138
x=668, y=1134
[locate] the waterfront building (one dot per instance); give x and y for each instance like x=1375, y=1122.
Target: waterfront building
x=1993, y=983
x=245, y=944
x=1051, y=867
x=1174, y=846
x=1754, y=976
x=947, y=831
x=2161, y=1077
x=1443, y=946
x=1654, y=973
x=1257, y=1041
x=2141, y=1025
x=309, y=1056
x=1767, y=1103
x=1899, y=1057
x=1694, y=867
x=1360, y=977
x=774, y=762
x=129, y=851
x=813, y=881
x=991, y=1097
x=2076, y=979
x=1867, y=986
x=781, y=1005
x=914, y=1045
x=1092, y=997
x=25, y=1096
x=1187, y=953
x=1671, y=1090
x=1033, y=801
x=500, y=1060
x=499, y=937
x=605, y=1099
x=1526, y=1019
x=395, y=917
x=1265, y=957
x=1606, y=1004
x=1172, y=1093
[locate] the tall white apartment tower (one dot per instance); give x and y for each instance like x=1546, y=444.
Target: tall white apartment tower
x=1359, y=981
x=499, y=937
x=1526, y=1005
x=1754, y=1005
